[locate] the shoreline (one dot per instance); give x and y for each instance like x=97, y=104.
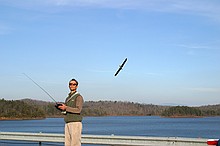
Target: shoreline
x=41, y=118
x=20, y=119
x=184, y=116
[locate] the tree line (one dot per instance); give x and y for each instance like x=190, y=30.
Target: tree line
x=119, y=108
x=19, y=110
x=182, y=111
x=29, y=109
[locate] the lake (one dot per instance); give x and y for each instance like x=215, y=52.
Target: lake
x=207, y=127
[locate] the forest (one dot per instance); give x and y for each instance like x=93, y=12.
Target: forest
x=32, y=109
x=19, y=110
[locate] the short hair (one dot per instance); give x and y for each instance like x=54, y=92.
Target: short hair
x=75, y=81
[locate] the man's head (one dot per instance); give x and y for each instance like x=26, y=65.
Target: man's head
x=73, y=84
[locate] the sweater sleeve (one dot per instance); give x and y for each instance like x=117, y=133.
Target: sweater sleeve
x=78, y=108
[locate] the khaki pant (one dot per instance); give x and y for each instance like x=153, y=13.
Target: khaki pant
x=73, y=131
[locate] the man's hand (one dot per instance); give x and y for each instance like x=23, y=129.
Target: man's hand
x=62, y=107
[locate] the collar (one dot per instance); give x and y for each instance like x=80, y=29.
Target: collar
x=72, y=92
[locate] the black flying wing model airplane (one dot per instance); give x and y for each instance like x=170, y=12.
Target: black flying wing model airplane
x=120, y=67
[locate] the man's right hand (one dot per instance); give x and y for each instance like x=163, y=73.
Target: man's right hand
x=62, y=107
x=57, y=105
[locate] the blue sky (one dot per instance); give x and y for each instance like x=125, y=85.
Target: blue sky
x=173, y=50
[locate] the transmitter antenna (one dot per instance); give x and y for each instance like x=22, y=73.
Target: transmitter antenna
x=40, y=87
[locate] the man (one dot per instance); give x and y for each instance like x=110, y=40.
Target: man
x=72, y=109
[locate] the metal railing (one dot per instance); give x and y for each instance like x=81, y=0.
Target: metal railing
x=105, y=139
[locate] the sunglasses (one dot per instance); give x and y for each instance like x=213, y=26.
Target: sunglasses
x=72, y=84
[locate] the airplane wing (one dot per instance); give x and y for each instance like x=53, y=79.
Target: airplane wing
x=120, y=67
x=118, y=71
x=124, y=62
